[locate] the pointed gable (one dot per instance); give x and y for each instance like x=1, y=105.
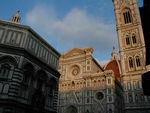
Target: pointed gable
x=73, y=52
x=76, y=51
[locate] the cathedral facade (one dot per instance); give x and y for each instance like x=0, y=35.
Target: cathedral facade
x=85, y=87
x=132, y=55
x=28, y=70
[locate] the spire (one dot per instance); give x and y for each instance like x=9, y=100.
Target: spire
x=16, y=18
x=114, y=54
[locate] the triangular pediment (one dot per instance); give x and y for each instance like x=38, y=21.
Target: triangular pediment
x=76, y=51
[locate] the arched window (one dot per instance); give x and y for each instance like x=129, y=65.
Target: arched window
x=4, y=70
x=28, y=70
x=127, y=40
x=138, y=62
x=130, y=62
x=134, y=40
x=5, y=89
x=7, y=63
x=127, y=16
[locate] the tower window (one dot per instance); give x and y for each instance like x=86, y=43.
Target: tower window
x=130, y=62
x=109, y=81
x=134, y=39
x=138, y=62
x=128, y=40
x=127, y=17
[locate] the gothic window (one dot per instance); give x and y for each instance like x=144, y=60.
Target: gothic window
x=130, y=62
x=127, y=16
x=4, y=70
x=134, y=40
x=127, y=40
x=109, y=81
x=138, y=62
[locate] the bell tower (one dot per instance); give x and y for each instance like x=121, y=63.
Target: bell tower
x=132, y=53
x=130, y=36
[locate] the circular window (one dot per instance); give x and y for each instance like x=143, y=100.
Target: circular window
x=75, y=70
x=99, y=95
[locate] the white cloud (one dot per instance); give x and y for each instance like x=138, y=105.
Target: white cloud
x=77, y=28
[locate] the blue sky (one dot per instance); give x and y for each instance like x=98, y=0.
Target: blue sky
x=69, y=23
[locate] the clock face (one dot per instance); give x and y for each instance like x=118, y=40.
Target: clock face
x=75, y=70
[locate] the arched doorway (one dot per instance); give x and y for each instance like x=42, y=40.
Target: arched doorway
x=71, y=109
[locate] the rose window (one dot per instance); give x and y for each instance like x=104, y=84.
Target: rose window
x=75, y=70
